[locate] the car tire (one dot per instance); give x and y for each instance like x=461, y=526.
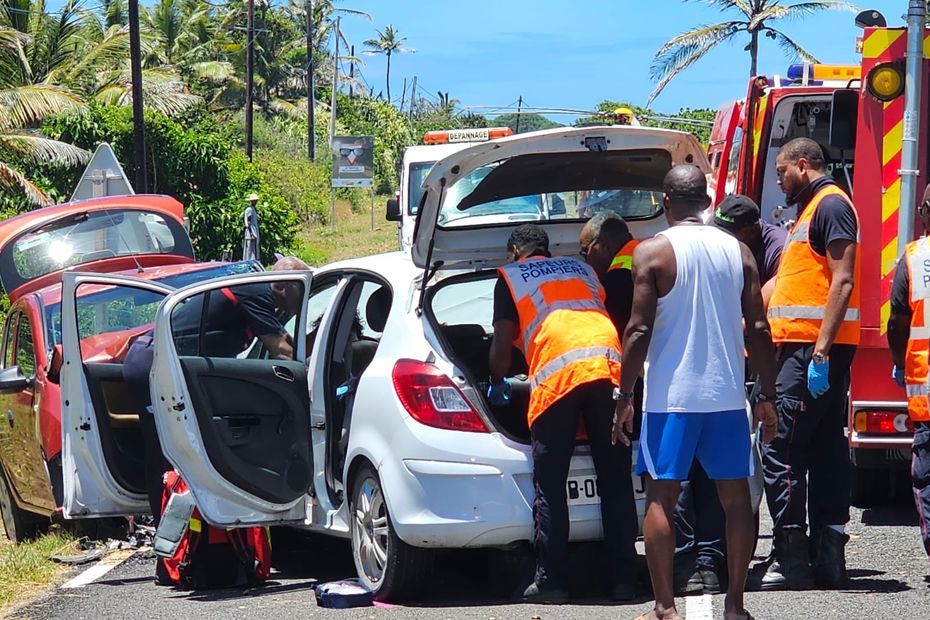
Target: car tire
x=19, y=524
x=385, y=564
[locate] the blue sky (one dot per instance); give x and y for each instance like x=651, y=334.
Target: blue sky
x=576, y=54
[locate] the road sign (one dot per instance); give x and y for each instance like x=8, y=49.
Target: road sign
x=353, y=161
x=103, y=176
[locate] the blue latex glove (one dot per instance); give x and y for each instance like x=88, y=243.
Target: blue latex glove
x=898, y=375
x=818, y=380
x=499, y=394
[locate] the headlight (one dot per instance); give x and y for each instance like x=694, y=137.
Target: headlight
x=885, y=81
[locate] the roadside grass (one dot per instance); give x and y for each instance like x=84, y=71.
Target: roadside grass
x=351, y=237
x=26, y=566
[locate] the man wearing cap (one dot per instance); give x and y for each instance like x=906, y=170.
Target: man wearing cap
x=700, y=553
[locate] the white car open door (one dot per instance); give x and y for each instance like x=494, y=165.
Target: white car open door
x=236, y=427
x=102, y=456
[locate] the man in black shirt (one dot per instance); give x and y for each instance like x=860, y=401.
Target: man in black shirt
x=740, y=216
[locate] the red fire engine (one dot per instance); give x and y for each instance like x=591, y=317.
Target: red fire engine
x=857, y=114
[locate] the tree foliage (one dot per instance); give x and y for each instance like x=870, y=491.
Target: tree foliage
x=528, y=122
x=651, y=118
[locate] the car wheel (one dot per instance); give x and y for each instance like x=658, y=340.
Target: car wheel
x=19, y=524
x=388, y=566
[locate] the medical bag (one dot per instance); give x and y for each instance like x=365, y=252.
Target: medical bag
x=198, y=556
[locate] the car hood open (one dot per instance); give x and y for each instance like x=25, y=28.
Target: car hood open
x=544, y=162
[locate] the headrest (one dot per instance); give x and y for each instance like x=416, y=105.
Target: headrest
x=377, y=308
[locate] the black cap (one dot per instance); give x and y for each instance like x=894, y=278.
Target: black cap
x=736, y=212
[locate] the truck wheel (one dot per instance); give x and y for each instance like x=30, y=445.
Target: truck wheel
x=387, y=566
x=19, y=524
x=869, y=486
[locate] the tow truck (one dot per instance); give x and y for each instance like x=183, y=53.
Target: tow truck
x=857, y=113
x=417, y=162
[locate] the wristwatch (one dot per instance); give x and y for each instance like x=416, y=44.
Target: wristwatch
x=765, y=398
x=820, y=358
x=620, y=395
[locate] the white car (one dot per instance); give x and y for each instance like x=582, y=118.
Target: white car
x=385, y=436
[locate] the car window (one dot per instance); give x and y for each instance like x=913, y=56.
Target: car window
x=467, y=302
x=109, y=317
x=8, y=348
x=25, y=350
x=373, y=306
x=230, y=321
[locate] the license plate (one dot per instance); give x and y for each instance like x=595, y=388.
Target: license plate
x=582, y=490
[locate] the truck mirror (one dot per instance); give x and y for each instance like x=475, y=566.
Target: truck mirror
x=393, y=210
x=844, y=113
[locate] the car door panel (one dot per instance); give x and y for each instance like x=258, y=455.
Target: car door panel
x=244, y=408
x=94, y=486
x=236, y=429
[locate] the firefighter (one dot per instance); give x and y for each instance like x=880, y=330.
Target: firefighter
x=693, y=287
x=553, y=310
x=607, y=245
x=814, y=314
x=908, y=339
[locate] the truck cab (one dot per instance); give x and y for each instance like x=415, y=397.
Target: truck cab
x=417, y=162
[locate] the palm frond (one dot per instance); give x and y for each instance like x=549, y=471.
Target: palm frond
x=746, y=8
x=792, y=49
x=162, y=90
x=34, y=149
x=699, y=36
x=775, y=12
x=214, y=71
x=24, y=105
x=13, y=180
x=668, y=65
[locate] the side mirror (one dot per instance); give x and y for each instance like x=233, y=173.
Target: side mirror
x=13, y=381
x=393, y=210
x=844, y=113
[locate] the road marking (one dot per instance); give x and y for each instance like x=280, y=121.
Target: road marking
x=100, y=569
x=699, y=607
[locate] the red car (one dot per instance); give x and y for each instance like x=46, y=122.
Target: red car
x=141, y=235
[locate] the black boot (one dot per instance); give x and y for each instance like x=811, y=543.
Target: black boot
x=830, y=559
x=790, y=570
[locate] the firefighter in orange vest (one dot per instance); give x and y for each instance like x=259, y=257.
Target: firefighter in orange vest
x=814, y=315
x=552, y=309
x=908, y=334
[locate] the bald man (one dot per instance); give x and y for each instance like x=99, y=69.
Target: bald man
x=693, y=286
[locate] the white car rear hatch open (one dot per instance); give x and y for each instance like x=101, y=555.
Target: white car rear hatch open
x=556, y=178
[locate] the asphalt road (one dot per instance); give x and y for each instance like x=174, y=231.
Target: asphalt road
x=886, y=561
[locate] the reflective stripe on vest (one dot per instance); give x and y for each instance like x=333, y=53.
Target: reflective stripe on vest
x=566, y=334
x=916, y=368
x=575, y=355
x=624, y=258
x=798, y=303
x=808, y=312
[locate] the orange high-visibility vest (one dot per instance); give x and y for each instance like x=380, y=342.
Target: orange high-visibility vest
x=565, y=333
x=624, y=258
x=916, y=371
x=799, y=300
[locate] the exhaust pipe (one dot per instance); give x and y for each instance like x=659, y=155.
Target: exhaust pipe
x=916, y=18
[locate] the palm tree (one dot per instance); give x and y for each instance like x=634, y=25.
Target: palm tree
x=387, y=43
x=682, y=51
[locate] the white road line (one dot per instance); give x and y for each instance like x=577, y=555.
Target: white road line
x=100, y=569
x=699, y=607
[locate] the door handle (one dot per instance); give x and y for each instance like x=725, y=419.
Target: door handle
x=283, y=373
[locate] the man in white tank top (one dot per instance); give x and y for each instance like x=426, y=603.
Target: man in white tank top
x=693, y=286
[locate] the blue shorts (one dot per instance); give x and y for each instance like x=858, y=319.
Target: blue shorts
x=669, y=442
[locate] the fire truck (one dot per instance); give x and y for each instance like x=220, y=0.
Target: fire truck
x=857, y=114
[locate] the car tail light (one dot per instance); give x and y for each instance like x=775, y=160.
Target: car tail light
x=883, y=423
x=430, y=397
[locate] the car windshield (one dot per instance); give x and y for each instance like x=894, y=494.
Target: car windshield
x=415, y=191
x=558, y=187
x=131, y=302
x=94, y=235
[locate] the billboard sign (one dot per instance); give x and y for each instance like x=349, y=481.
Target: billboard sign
x=353, y=161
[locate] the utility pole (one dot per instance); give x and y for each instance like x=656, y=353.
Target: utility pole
x=413, y=96
x=403, y=96
x=250, y=76
x=519, y=109
x=332, y=106
x=351, y=71
x=311, y=124
x=138, y=117
x=910, y=146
